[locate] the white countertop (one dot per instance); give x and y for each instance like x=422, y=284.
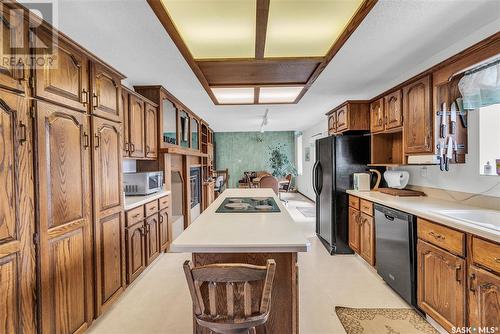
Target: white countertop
x=425, y=207
x=135, y=201
x=262, y=232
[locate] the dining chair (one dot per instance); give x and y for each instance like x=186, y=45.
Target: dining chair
x=269, y=181
x=284, y=187
x=231, y=298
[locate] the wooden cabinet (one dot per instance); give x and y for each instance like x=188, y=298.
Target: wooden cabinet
x=152, y=238
x=136, y=247
x=65, y=247
x=441, y=285
x=349, y=116
x=367, y=238
x=418, y=117
x=108, y=216
x=377, y=116
x=208, y=193
x=17, y=217
x=125, y=121
x=13, y=46
x=136, y=125
x=393, y=110
x=164, y=230
x=354, y=229
x=151, y=131
x=64, y=76
x=106, y=93
x=484, y=298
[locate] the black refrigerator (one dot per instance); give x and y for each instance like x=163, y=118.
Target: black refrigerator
x=337, y=158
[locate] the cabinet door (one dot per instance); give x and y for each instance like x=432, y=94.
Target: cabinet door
x=136, y=127
x=13, y=47
x=136, y=245
x=66, y=260
x=418, y=120
x=125, y=121
x=377, y=116
x=354, y=229
x=484, y=298
x=151, y=126
x=367, y=239
x=64, y=76
x=106, y=93
x=152, y=238
x=163, y=228
x=331, y=123
x=441, y=285
x=393, y=110
x=342, y=121
x=17, y=270
x=108, y=217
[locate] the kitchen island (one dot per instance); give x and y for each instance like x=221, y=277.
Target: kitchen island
x=251, y=237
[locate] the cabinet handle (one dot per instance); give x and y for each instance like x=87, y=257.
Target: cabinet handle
x=458, y=273
x=98, y=141
x=142, y=230
x=85, y=97
x=97, y=101
x=132, y=148
x=437, y=236
x=161, y=219
x=497, y=259
x=86, y=143
x=23, y=133
x=136, y=215
x=126, y=146
x=147, y=149
x=472, y=286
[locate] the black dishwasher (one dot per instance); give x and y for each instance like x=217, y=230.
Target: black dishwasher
x=396, y=249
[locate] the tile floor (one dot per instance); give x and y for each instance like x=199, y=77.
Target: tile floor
x=159, y=302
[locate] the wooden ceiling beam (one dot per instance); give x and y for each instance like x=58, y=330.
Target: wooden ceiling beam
x=261, y=27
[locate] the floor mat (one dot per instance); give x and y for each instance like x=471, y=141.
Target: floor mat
x=307, y=211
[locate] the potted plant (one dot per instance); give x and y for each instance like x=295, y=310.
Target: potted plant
x=279, y=162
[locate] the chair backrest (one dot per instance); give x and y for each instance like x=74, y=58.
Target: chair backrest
x=269, y=181
x=230, y=291
x=262, y=173
x=288, y=177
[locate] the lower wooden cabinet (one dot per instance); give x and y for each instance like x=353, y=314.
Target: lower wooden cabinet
x=136, y=257
x=354, y=230
x=164, y=230
x=441, y=285
x=362, y=228
x=152, y=238
x=484, y=298
x=367, y=238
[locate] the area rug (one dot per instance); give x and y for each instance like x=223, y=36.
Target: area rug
x=383, y=321
x=307, y=211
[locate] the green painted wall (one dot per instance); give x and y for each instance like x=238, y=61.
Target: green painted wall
x=248, y=151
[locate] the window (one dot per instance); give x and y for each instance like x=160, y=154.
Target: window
x=489, y=139
x=298, y=152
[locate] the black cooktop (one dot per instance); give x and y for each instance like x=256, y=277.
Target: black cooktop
x=248, y=205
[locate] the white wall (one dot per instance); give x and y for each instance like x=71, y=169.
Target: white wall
x=304, y=181
x=461, y=177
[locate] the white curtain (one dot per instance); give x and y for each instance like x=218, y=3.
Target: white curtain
x=481, y=87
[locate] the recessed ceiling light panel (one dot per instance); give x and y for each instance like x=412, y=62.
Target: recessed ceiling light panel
x=234, y=95
x=279, y=94
x=215, y=28
x=306, y=28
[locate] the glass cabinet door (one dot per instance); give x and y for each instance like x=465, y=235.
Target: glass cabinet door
x=194, y=134
x=169, y=131
x=184, y=129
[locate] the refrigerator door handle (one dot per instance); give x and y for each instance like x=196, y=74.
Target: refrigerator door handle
x=319, y=178
x=315, y=178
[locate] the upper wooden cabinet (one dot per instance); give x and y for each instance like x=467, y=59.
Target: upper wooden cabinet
x=106, y=93
x=13, y=45
x=108, y=216
x=136, y=126
x=418, y=118
x=151, y=130
x=17, y=217
x=125, y=129
x=441, y=285
x=393, y=110
x=64, y=76
x=349, y=116
x=65, y=219
x=377, y=116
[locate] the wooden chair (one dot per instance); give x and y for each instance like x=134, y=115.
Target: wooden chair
x=216, y=290
x=285, y=186
x=269, y=181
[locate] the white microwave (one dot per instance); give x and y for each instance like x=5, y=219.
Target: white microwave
x=142, y=183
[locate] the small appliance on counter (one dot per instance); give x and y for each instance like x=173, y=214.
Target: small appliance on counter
x=361, y=181
x=140, y=184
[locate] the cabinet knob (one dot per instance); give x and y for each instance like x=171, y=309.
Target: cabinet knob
x=84, y=99
x=472, y=281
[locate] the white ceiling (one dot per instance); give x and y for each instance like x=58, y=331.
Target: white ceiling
x=398, y=39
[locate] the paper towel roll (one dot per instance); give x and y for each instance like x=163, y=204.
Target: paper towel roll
x=396, y=179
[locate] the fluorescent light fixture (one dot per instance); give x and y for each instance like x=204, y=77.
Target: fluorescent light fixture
x=234, y=95
x=215, y=28
x=279, y=94
x=305, y=28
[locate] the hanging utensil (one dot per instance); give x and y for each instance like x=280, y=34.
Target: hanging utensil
x=441, y=155
x=449, y=153
x=462, y=112
x=442, y=128
x=453, y=118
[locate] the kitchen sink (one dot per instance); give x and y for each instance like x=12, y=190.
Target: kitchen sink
x=485, y=218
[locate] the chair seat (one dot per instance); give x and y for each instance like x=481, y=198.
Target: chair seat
x=223, y=324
